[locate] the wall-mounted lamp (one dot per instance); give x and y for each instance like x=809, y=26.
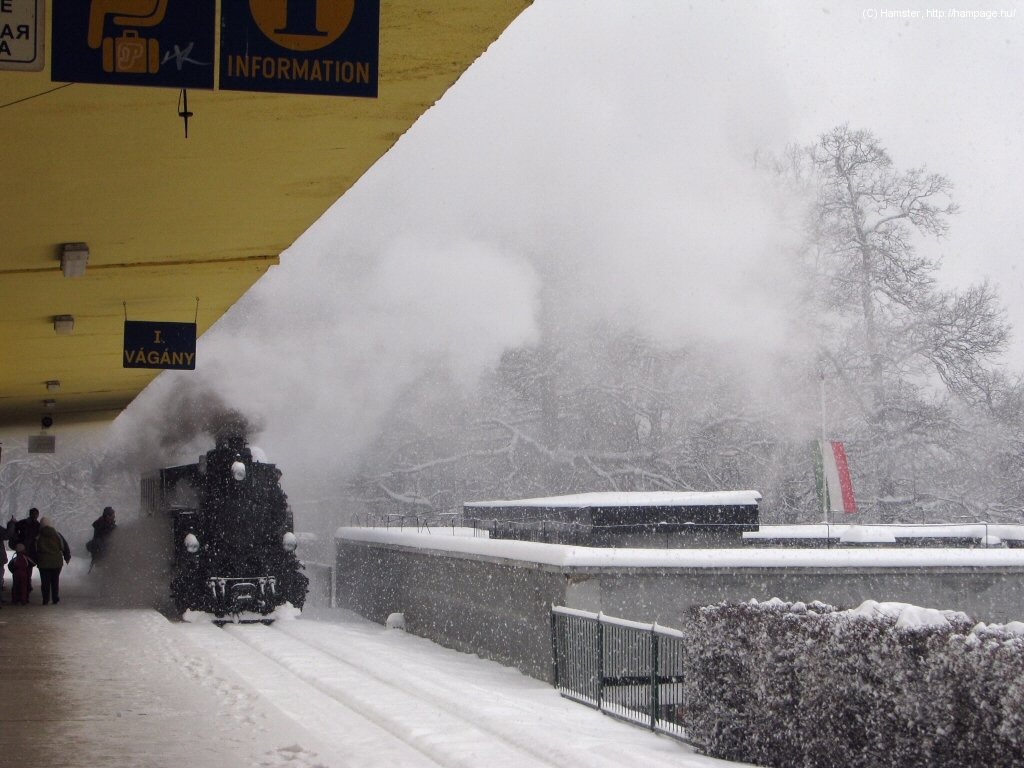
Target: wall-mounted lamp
x=49, y=403
x=73, y=258
x=64, y=325
x=53, y=385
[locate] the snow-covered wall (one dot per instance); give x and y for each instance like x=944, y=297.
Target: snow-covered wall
x=493, y=597
x=494, y=607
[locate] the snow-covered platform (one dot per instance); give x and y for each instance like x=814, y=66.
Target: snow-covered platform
x=88, y=685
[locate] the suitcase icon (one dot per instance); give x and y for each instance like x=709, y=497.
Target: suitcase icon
x=131, y=53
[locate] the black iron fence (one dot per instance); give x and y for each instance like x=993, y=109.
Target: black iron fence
x=626, y=669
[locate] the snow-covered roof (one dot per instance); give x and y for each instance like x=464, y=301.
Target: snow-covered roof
x=633, y=499
x=462, y=540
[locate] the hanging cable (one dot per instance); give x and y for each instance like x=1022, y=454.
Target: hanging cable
x=34, y=95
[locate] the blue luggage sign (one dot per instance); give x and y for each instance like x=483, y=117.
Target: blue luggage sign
x=159, y=345
x=134, y=42
x=325, y=47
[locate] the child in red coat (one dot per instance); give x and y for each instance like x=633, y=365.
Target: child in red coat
x=21, y=567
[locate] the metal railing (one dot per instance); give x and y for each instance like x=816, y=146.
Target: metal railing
x=826, y=535
x=964, y=535
x=626, y=669
x=420, y=523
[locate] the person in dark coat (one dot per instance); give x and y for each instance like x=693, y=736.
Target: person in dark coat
x=21, y=568
x=52, y=552
x=7, y=533
x=3, y=562
x=102, y=527
x=25, y=532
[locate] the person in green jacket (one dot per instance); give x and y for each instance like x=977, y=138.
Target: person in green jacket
x=52, y=551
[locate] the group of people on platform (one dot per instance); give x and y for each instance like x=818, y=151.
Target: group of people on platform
x=36, y=543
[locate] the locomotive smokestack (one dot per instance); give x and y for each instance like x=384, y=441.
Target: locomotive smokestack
x=233, y=442
x=230, y=429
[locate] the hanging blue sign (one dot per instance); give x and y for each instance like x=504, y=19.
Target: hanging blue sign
x=326, y=47
x=159, y=345
x=134, y=42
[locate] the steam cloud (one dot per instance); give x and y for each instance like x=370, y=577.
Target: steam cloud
x=594, y=164
x=598, y=186
x=180, y=422
x=136, y=571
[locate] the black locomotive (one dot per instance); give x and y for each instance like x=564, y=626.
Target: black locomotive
x=233, y=545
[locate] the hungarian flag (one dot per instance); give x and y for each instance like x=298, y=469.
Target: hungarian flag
x=832, y=475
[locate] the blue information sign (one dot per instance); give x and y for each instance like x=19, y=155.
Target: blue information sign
x=327, y=47
x=159, y=345
x=134, y=42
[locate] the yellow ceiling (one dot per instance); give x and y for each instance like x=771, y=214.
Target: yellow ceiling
x=169, y=220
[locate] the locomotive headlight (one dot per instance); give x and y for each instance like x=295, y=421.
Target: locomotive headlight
x=191, y=543
x=238, y=471
x=289, y=542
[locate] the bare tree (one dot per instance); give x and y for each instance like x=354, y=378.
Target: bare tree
x=607, y=410
x=914, y=389
x=894, y=333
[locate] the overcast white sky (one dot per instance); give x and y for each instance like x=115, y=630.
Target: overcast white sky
x=943, y=92
x=614, y=138
x=598, y=158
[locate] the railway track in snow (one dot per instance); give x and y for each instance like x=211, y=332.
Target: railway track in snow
x=360, y=702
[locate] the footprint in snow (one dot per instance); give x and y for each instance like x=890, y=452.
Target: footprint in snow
x=292, y=755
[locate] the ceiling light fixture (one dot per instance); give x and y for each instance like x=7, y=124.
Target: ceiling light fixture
x=49, y=403
x=64, y=325
x=73, y=258
x=53, y=385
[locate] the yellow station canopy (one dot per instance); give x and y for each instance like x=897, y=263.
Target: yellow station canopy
x=167, y=220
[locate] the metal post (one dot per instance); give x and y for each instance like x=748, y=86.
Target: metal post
x=654, y=678
x=828, y=511
x=600, y=661
x=334, y=588
x=554, y=643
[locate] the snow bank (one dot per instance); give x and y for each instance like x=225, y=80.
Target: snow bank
x=862, y=534
x=906, y=616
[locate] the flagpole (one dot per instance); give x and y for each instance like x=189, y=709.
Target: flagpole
x=821, y=388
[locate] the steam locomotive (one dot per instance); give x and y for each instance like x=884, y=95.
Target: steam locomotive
x=231, y=531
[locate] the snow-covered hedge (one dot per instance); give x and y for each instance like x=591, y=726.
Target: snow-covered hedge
x=885, y=684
